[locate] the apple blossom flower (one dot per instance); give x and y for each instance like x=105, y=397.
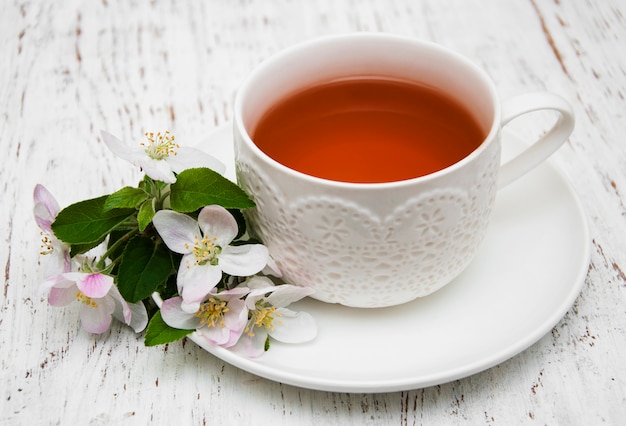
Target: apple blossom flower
x=206, y=252
x=160, y=157
x=100, y=301
x=45, y=211
x=220, y=319
x=268, y=316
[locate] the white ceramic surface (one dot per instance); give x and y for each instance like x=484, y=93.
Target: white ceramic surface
x=526, y=275
x=380, y=244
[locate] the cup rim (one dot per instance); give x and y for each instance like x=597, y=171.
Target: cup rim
x=364, y=36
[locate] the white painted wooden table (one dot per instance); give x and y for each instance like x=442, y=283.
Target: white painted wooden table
x=72, y=68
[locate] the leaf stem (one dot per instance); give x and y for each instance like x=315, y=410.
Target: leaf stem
x=157, y=192
x=116, y=245
x=163, y=196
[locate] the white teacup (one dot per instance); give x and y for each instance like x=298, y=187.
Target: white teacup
x=380, y=244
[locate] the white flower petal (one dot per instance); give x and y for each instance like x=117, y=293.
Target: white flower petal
x=243, y=261
x=58, y=261
x=195, y=282
x=286, y=294
x=132, y=314
x=293, y=327
x=216, y=222
x=174, y=316
x=190, y=307
x=118, y=147
x=139, y=316
x=272, y=268
x=122, y=311
x=157, y=169
x=177, y=230
x=189, y=158
x=233, y=293
x=259, y=283
x=260, y=286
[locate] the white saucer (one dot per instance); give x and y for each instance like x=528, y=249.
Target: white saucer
x=525, y=277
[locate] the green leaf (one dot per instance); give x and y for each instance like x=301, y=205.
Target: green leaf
x=169, y=288
x=146, y=213
x=127, y=197
x=76, y=249
x=159, y=333
x=196, y=188
x=145, y=265
x=86, y=222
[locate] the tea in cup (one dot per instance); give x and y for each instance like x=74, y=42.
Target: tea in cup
x=374, y=162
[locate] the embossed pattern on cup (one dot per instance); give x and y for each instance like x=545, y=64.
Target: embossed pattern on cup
x=357, y=257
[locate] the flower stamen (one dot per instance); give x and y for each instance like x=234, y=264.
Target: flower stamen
x=262, y=316
x=206, y=251
x=211, y=312
x=46, y=244
x=85, y=300
x=160, y=146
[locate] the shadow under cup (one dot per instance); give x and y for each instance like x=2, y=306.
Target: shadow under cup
x=378, y=244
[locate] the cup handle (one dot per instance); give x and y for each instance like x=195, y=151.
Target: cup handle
x=547, y=144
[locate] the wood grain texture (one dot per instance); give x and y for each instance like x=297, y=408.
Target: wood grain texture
x=70, y=69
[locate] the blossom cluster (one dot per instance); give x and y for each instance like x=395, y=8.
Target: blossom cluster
x=171, y=256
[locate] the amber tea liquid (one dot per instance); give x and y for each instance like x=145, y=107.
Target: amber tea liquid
x=367, y=130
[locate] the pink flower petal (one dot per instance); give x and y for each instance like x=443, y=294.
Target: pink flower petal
x=97, y=318
x=215, y=335
x=91, y=285
x=46, y=208
x=174, y=316
x=237, y=315
x=251, y=346
x=60, y=296
x=42, y=196
x=57, y=281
